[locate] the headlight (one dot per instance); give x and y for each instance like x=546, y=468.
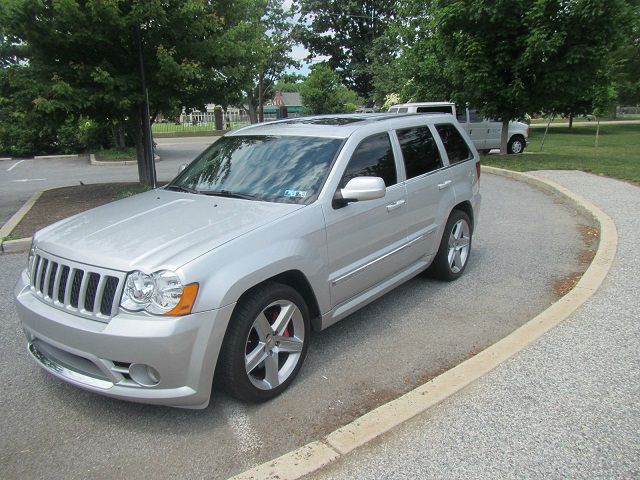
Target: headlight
x=159, y=293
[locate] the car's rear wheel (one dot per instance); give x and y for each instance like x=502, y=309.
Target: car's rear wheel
x=266, y=343
x=516, y=145
x=455, y=247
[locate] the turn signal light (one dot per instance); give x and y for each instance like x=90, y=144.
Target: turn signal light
x=184, y=306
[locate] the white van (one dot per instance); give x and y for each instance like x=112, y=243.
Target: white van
x=485, y=133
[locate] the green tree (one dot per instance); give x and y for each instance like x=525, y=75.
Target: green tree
x=264, y=44
x=322, y=92
x=84, y=53
x=626, y=61
x=345, y=32
x=511, y=58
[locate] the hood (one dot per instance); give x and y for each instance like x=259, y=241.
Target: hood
x=156, y=229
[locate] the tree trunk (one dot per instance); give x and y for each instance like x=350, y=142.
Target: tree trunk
x=261, y=97
x=145, y=174
x=571, y=120
x=597, y=131
x=504, y=137
x=253, y=115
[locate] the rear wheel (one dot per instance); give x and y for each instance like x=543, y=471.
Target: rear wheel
x=265, y=344
x=455, y=247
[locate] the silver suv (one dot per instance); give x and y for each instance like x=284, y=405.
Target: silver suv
x=274, y=230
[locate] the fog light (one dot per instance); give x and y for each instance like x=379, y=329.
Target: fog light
x=144, y=375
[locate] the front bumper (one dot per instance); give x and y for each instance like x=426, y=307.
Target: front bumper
x=107, y=358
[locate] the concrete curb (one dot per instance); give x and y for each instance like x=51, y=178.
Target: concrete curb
x=15, y=245
x=48, y=157
x=315, y=455
x=93, y=161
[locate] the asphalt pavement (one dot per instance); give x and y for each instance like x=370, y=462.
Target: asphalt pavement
x=526, y=243
x=19, y=179
x=567, y=406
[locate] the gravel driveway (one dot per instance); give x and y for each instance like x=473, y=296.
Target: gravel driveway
x=567, y=406
x=526, y=242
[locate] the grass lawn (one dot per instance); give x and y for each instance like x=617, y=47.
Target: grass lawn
x=543, y=121
x=618, y=153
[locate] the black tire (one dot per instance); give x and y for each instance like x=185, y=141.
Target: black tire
x=441, y=267
x=516, y=145
x=237, y=343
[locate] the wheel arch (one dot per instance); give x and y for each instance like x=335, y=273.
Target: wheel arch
x=299, y=282
x=467, y=208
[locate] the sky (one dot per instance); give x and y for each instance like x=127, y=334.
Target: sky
x=299, y=52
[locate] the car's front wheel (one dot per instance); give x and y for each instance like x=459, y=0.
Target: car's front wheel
x=516, y=145
x=455, y=247
x=266, y=343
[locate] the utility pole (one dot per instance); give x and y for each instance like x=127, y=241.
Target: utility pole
x=149, y=165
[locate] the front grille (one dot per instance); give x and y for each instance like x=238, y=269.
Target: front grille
x=80, y=289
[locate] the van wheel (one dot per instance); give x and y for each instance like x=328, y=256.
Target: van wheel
x=516, y=145
x=455, y=247
x=266, y=343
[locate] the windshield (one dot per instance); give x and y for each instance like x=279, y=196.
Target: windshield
x=284, y=169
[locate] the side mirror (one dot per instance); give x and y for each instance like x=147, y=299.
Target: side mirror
x=362, y=188
x=182, y=167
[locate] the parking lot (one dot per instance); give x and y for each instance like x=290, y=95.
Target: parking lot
x=527, y=242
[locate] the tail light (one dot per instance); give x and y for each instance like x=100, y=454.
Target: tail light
x=478, y=168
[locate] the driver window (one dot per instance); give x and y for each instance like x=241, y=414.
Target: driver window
x=474, y=116
x=372, y=158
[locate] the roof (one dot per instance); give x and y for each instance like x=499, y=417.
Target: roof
x=421, y=104
x=335, y=126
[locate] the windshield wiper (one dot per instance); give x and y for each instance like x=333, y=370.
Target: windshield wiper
x=180, y=188
x=227, y=193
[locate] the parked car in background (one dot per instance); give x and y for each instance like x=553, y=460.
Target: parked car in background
x=484, y=133
x=275, y=229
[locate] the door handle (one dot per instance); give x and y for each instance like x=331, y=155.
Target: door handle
x=444, y=184
x=395, y=205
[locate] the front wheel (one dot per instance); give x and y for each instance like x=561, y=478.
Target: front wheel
x=516, y=145
x=266, y=343
x=455, y=247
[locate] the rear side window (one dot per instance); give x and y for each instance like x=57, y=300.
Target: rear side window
x=372, y=158
x=454, y=144
x=419, y=149
x=402, y=110
x=435, y=109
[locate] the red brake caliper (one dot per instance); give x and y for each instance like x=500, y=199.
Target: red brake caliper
x=274, y=316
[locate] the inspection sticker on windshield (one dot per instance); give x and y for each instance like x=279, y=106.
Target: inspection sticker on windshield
x=295, y=193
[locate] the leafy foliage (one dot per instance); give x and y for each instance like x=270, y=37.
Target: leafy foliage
x=322, y=92
x=345, y=32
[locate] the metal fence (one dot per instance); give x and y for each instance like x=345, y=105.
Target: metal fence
x=204, y=122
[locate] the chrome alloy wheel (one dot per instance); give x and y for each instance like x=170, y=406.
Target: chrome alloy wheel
x=517, y=147
x=274, y=344
x=459, y=244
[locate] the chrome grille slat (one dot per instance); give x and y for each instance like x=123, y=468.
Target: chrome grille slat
x=39, y=275
x=47, y=279
x=56, y=283
x=82, y=290
x=97, y=300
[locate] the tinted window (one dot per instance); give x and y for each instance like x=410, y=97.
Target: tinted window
x=419, y=150
x=403, y=110
x=435, y=109
x=454, y=144
x=278, y=169
x=475, y=117
x=461, y=114
x=372, y=158
x=393, y=110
